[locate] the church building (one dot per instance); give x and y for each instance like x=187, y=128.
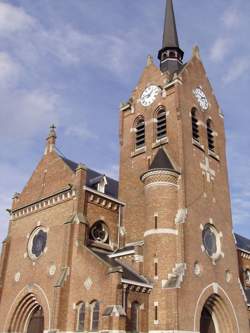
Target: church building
x=153, y=252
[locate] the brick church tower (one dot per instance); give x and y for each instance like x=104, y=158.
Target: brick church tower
x=152, y=253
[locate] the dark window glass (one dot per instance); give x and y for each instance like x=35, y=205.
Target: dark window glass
x=81, y=317
x=195, y=126
x=161, y=125
x=140, y=134
x=95, y=316
x=209, y=240
x=135, y=317
x=39, y=243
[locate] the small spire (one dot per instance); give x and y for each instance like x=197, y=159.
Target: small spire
x=150, y=60
x=170, y=55
x=51, y=140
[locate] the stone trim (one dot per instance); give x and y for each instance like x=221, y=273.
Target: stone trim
x=139, y=284
x=44, y=203
x=104, y=196
x=161, y=231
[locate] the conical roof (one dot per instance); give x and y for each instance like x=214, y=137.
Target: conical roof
x=170, y=36
x=161, y=161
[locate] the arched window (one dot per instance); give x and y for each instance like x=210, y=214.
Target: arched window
x=135, y=308
x=210, y=136
x=195, y=126
x=80, y=317
x=95, y=309
x=99, y=232
x=161, y=124
x=140, y=133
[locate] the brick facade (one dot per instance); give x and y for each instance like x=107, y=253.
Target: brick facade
x=138, y=253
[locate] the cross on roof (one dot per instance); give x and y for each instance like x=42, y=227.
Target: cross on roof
x=206, y=168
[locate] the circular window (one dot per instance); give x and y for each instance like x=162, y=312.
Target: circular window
x=99, y=232
x=211, y=241
x=37, y=243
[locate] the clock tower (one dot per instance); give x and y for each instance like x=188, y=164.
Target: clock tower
x=174, y=180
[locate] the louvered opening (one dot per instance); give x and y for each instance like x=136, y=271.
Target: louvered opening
x=161, y=128
x=195, y=127
x=210, y=136
x=140, y=134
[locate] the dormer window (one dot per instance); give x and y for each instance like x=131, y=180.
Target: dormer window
x=102, y=184
x=247, y=276
x=99, y=183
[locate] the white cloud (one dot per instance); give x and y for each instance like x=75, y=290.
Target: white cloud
x=80, y=131
x=24, y=114
x=9, y=70
x=231, y=18
x=238, y=68
x=13, y=18
x=220, y=49
x=111, y=171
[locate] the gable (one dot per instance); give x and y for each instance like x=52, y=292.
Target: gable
x=51, y=175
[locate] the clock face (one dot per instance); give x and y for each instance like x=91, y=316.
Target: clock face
x=149, y=95
x=201, y=98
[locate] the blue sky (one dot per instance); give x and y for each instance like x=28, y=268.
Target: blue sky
x=72, y=62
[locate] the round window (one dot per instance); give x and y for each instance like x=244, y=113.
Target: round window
x=37, y=243
x=99, y=232
x=211, y=241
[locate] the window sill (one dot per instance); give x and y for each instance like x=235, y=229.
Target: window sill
x=198, y=145
x=138, y=151
x=160, y=142
x=215, y=156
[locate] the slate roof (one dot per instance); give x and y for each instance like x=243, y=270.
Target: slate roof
x=125, y=249
x=161, y=161
x=128, y=272
x=170, y=36
x=242, y=243
x=92, y=175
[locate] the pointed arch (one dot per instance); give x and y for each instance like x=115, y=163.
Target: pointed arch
x=215, y=301
x=25, y=303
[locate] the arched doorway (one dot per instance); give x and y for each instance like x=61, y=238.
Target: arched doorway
x=207, y=324
x=36, y=322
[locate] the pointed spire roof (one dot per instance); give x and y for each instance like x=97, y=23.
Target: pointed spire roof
x=162, y=161
x=170, y=36
x=170, y=55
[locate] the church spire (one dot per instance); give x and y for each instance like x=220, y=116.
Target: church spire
x=170, y=55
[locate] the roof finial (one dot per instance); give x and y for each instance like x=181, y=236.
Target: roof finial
x=51, y=140
x=170, y=55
